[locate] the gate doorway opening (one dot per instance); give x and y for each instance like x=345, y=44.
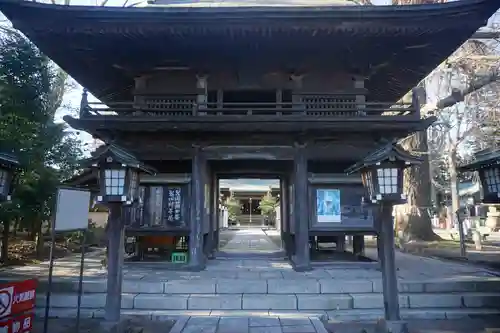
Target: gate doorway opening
x=250, y=215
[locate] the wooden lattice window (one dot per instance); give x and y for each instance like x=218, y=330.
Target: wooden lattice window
x=169, y=103
x=329, y=102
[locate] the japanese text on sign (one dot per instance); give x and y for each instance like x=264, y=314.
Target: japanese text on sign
x=17, y=297
x=19, y=324
x=174, y=211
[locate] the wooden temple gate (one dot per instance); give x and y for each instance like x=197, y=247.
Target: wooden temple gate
x=299, y=93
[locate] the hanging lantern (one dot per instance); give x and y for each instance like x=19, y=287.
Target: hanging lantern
x=382, y=173
x=487, y=165
x=119, y=175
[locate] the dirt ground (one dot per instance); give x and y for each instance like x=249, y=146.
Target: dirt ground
x=488, y=257
x=473, y=325
x=22, y=251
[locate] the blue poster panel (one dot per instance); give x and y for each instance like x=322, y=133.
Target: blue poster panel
x=328, y=205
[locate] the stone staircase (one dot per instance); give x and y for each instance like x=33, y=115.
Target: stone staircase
x=247, y=281
x=333, y=293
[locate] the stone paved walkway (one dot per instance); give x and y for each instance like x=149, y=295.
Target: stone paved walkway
x=251, y=325
x=250, y=254
x=251, y=242
x=248, y=274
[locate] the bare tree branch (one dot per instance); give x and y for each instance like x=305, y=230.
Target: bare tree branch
x=458, y=95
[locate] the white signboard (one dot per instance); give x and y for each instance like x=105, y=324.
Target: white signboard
x=72, y=209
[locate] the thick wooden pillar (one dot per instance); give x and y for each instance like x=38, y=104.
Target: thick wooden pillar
x=196, y=256
x=301, y=259
x=116, y=239
x=215, y=212
x=211, y=213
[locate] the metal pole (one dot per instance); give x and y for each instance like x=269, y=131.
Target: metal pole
x=49, y=287
x=250, y=203
x=389, y=277
x=463, y=249
x=80, y=280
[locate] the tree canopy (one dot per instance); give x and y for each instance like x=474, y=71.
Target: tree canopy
x=268, y=204
x=31, y=91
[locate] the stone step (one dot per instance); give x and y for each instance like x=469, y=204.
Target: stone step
x=307, y=302
x=275, y=286
x=333, y=316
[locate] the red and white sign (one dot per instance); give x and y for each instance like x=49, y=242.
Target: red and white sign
x=17, y=324
x=17, y=297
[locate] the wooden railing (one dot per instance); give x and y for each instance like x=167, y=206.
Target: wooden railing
x=309, y=105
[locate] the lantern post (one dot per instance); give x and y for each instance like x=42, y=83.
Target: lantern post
x=382, y=175
x=119, y=173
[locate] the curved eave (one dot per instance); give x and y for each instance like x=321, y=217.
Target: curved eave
x=22, y=9
x=105, y=127
x=482, y=164
x=395, y=47
x=87, y=178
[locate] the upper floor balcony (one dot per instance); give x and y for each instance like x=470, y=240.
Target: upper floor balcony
x=304, y=106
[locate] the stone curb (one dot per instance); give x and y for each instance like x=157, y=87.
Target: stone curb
x=318, y=325
x=179, y=324
x=272, y=286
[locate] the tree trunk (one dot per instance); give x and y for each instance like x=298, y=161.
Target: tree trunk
x=16, y=226
x=5, y=241
x=455, y=200
x=412, y=219
x=39, y=239
x=32, y=231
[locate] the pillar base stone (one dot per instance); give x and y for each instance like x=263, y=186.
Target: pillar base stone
x=391, y=326
x=300, y=265
x=194, y=267
x=113, y=326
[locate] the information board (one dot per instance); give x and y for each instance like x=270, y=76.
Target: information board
x=72, y=210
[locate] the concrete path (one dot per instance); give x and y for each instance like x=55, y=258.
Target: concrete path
x=253, y=255
x=250, y=242
x=249, y=325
